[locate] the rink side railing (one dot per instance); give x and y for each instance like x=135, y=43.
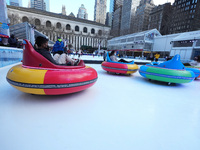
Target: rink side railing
x=9, y=55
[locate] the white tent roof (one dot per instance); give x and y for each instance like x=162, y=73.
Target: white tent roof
x=188, y=36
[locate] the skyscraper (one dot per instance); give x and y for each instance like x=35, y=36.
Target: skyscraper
x=141, y=19
x=116, y=22
x=108, y=19
x=185, y=16
x=161, y=23
x=100, y=11
x=117, y=4
x=38, y=4
x=47, y=4
x=15, y=2
x=111, y=6
x=128, y=12
x=63, y=10
x=82, y=12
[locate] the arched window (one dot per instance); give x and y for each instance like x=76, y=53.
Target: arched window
x=25, y=19
x=100, y=32
x=76, y=28
x=48, y=24
x=85, y=30
x=92, y=31
x=58, y=25
x=68, y=27
x=37, y=22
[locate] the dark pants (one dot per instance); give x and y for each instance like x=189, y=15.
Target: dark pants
x=186, y=64
x=122, y=60
x=58, y=52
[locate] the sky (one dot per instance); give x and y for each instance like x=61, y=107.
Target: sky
x=73, y=6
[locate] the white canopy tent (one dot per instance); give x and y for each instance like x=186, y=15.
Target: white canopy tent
x=188, y=36
x=187, y=45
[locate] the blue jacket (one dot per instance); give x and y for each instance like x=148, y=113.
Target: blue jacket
x=58, y=46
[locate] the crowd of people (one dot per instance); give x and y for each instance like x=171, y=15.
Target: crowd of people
x=61, y=54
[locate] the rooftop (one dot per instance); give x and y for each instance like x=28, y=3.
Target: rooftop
x=46, y=13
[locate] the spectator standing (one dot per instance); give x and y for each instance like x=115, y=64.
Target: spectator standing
x=157, y=55
x=104, y=55
x=12, y=41
x=58, y=47
x=79, y=53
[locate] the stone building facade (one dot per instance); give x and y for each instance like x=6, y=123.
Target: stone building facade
x=77, y=31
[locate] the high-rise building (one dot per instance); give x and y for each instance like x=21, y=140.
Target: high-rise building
x=109, y=15
x=82, y=12
x=140, y=21
x=63, y=10
x=116, y=9
x=100, y=11
x=38, y=4
x=159, y=18
x=47, y=4
x=108, y=19
x=128, y=12
x=117, y=4
x=116, y=23
x=185, y=16
x=15, y=3
x=114, y=5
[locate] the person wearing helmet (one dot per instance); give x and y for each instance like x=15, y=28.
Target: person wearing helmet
x=58, y=47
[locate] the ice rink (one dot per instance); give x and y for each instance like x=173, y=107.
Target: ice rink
x=117, y=113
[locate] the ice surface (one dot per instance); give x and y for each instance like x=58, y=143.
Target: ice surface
x=117, y=113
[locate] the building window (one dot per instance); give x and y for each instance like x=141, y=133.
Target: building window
x=37, y=22
x=68, y=27
x=77, y=28
x=100, y=32
x=58, y=25
x=25, y=19
x=48, y=24
x=85, y=30
x=92, y=31
x=187, y=43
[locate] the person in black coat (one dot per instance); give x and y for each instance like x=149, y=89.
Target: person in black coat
x=12, y=41
x=41, y=46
